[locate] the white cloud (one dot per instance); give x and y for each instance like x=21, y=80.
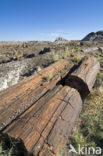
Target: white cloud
x=60, y=33
x=49, y=34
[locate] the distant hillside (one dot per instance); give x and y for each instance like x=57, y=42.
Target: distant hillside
x=98, y=36
x=60, y=39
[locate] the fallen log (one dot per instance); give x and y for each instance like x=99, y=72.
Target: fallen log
x=14, y=101
x=84, y=76
x=32, y=82
x=45, y=126
x=88, y=50
x=49, y=121
x=15, y=108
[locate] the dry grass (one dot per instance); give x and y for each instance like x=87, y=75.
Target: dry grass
x=63, y=54
x=89, y=129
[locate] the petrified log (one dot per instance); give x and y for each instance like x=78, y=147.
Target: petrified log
x=84, y=75
x=17, y=99
x=45, y=126
x=49, y=121
x=88, y=50
x=31, y=82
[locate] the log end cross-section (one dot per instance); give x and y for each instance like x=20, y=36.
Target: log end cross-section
x=84, y=76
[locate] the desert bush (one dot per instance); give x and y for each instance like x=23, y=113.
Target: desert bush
x=97, y=54
x=48, y=78
x=66, y=53
x=99, y=79
x=77, y=58
x=63, y=54
x=56, y=57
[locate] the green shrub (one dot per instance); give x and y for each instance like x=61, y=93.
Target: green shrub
x=56, y=57
x=63, y=53
x=48, y=78
x=77, y=58
x=66, y=53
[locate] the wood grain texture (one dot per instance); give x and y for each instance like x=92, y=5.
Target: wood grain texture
x=43, y=115
x=51, y=123
x=31, y=82
x=18, y=98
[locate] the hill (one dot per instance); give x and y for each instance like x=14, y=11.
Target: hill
x=98, y=36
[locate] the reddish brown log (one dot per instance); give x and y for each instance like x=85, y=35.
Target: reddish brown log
x=15, y=103
x=84, y=76
x=16, y=107
x=51, y=123
x=31, y=83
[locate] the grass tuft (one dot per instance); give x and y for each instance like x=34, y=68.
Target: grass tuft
x=89, y=129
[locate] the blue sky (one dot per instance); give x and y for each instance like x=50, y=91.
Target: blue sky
x=23, y=20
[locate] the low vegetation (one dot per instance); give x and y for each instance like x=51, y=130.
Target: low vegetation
x=77, y=58
x=48, y=78
x=89, y=129
x=63, y=54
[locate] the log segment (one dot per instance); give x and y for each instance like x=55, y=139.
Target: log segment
x=17, y=99
x=45, y=126
x=84, y=76
x=32, y=82
x=49, y=121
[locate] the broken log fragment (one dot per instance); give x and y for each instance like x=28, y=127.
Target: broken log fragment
x=84, y=76
x=16, y=107
x=31, y=82
x=44, y=127
x=18, y=98
x=50, y=120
